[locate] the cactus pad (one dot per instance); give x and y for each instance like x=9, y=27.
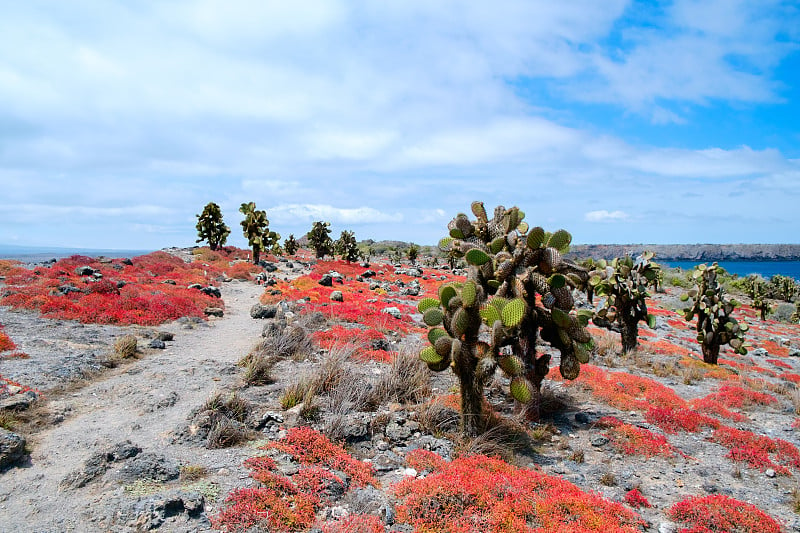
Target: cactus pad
x=428, y=355
x=521, y=389
x=433, y=316
x=536, y=238
x=468, y=294
x=435, y=334
x=490, y=314
x=561, y=318
x=445, y=293
x=513, y=313
x=570, y=368
x=444, y=346
x=512, y=365
x=476, y=257
x=560, y=240
x=427, y=303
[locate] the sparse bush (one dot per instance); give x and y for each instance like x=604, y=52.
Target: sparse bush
x=193, y=472
x=783, y=312
x=319, y=239
x=407, y=381
x=257, y=369
x=211, y=228
x=125, y=347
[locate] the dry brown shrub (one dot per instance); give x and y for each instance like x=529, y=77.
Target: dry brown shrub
x=225, y=433
x=407, y=381
x=231, y=405
x=125, y=347
x=193, y=472
x=257, y=369
x=437, y=418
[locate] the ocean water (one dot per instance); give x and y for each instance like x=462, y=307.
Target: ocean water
x=39, y=255
x=766, y=269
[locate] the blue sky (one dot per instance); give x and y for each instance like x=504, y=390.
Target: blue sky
x=620, y=121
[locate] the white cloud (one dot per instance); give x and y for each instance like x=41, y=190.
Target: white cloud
x=292, y=213
x=605, y=216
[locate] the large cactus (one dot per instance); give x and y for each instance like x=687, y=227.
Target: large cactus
x=518, y=287
x=624, y=283
x=782, y=287
x=347, y=247
x=715, y=325
x=290, y=245
x=210, y=226
x=754, y=287
x=319, y=238
x=255, y=227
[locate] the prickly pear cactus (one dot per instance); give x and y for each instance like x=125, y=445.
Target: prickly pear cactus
x=290, y=245
x=518, y=288
x=715, y=325
x=624, y=283
x=755, y=289
x=210, y=226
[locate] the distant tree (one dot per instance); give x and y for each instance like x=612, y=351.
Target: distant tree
x=412, y=253
x=210, y=226
x=347, y=247
x=320, y=240
x=290, y=245
x=256, y=229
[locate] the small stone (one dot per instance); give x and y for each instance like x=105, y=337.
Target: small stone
x=409, y=472
x=259, y=311
x=326, y=280
x=769, y=472
x=214, y=311
x=667, y=527
x=598, y=440
x=12, y=448
x=337, y=296
x=760, y=352
x=158, y=344
x=392, y=311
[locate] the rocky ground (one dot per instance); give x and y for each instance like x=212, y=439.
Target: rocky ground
x=132, y=447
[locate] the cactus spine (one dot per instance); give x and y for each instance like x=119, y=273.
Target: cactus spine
x=518, y=288
x=715, y=325
x=624, y=283
x=210, y=226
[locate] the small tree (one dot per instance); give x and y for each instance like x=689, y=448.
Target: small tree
x=412, y=253
x=347, y=247
x=290, y=245
x=518, y=289
x=255, y=227
x=782, y=287
x=715, y=325
x=320, y=240
x=210, y=226
x=624, y=284
x=754, y=287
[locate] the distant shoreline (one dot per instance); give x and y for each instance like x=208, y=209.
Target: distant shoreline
x=38, y=254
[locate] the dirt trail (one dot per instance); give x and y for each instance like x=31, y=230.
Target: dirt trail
x=133, y=402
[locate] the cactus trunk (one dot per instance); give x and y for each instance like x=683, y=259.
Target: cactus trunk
x=630, y=331
x=472, y=419
x=256, y=253
x=710, y=353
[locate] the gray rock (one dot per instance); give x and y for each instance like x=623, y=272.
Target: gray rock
x=759, y=352
x=85, y=270
x=214, y=311
x=667, y=527
x=393, y=311
x=149, y=465
x=12, y=448
x=98, y=463
x=154, y=511
x=367, y=273
x=259, y=311
x=158, y=344
x=387, y=461
x=165, y=336
x=369, y=500
x=326, y=280
x=337, y=296
x=212, y=291
x=581, y=418
x=18, y=402
x=794, y=352
x=598, y=440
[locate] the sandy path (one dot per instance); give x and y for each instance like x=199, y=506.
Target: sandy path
x=119, y=406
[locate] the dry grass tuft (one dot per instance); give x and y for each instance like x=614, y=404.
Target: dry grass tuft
x=437, y=418
x=578, y=456
x=193, y=472
x=125, y=347
x=226, y=433
x=257, y=369
x=608, y=479
x=608, y=345
x=333, y=367
x=407, y=381
x=7, y=420
x=231, y=405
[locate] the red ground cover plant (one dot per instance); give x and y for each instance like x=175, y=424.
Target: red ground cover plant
x=780, y=364
x=721, y=513
x=664, y=347
x=631, y=440
x=634, y=498
x=480, y=493
x=6, y=384
x=282, y=503
x=626, y=391
x=6, y=344
x=738, y=398
x=713, y=407
x=758, y=451
x=150, y=291
x=311, y=447
x=790, y=376
x=422, y=460
x=679, y=419
x=358, y=523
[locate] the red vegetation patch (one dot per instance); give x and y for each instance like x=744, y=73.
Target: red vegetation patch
x=738, y=398
x=358, y=523
x=664, y=347
x=7, y=386
x=713, y=407
x=779, y=363
x=6, y=344
x=790, y=376
x=634, y=498
x=422, y=460
x=310, y=447
x=282, y=503
x=626, y=391
x=479, y=493
x=150, y=291
x=631, y=440
x=721, y=513
x=774, y=348
x=758, y=451
x=680, y=419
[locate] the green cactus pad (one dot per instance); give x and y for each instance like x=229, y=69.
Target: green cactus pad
x=433, y=316
x=560, y=318
x=522, y=227
x=427, y=303
x=512, y=365
x=456, y=233
x=651, y=321
x=583, y=316
x=460, y=321
x=570, y=368
x=445, y=293
x=444, y=244
x=560, y=240
x=435, y=334
x=556, y=281
x=581, y=353
x=428, y=355
x=476, y=257
x=521, y=389
x=493, y=283
x=468, y=294
x=513, y=312
x=490, y=314
x=536, y=238
x=497, y=244
x=595, y=280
